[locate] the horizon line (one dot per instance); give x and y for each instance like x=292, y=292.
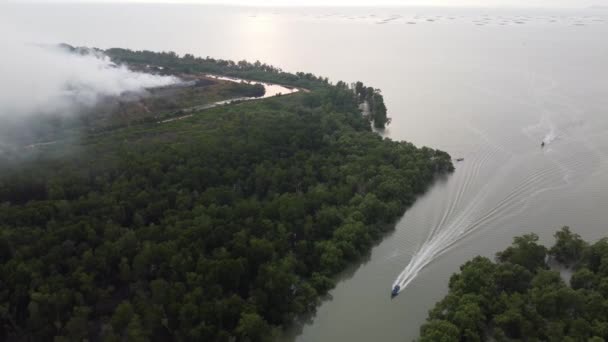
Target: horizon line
x=249, y=5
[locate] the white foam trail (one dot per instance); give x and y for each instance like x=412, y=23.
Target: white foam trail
x=554, y=114
x=436, y=244
x=465, y=224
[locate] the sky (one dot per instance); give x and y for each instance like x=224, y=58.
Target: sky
x=483, y=3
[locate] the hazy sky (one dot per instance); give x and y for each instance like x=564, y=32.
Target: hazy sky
x=485, y=3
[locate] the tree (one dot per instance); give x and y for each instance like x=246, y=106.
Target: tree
x=252, y=327
x=77, y=326
x=525, y=252
x=135, y=331
x=122, y=316
x=569, y=248
x=439, y=331
x=584, y=279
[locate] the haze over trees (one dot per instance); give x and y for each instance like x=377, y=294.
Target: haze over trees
x=219, y=227
x=520, y=298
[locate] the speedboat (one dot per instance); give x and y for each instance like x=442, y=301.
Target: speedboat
x=395, y=291
x=459, y=159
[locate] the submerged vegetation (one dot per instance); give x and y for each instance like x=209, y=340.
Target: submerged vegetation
x=520, y=298
x=222, y=226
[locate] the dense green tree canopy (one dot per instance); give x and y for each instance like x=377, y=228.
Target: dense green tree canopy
x=221, y=226
x=519, y=298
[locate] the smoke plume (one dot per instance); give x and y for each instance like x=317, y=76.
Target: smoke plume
x=38, y=80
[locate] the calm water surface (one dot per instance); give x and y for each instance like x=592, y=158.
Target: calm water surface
x=486, y=85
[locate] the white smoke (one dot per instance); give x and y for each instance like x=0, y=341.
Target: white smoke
x=37, y=79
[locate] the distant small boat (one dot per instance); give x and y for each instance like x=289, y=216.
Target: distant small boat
x=459, y=159
x=395, y=291
x=542, y=144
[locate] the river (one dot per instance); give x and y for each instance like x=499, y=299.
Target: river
x=486, y=85
x=270, y=90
